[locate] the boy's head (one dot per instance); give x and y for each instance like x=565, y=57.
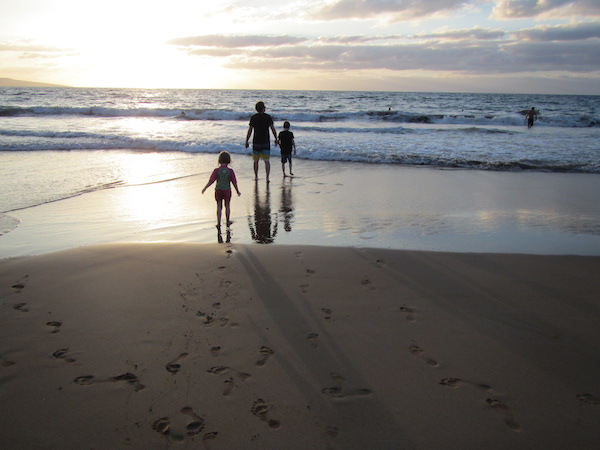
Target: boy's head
x=286, y=125
x=224, y=158
x=260, y=107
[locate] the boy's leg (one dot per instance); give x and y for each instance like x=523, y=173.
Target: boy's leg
x=291, y=173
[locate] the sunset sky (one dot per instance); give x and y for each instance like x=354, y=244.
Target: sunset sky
x=521, y=46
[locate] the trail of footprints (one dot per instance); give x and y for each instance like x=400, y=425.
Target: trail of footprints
x=260, y=409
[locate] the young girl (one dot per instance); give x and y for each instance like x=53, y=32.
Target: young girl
x=224, y=176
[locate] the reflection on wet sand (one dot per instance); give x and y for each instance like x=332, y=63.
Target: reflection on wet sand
x=260, y=228
x=287, y=206
x=264, y=224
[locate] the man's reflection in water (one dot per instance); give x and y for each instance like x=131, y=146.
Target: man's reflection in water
x=261, y=228
x=287, y=207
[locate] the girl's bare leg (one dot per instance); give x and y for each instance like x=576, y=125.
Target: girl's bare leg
x=219, y=211
x=228, y=211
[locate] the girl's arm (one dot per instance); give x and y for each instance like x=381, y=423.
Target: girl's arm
x=211, y=180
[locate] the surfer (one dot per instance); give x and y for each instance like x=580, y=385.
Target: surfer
x=531, y=115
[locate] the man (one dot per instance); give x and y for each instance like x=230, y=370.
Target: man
x=260, y=124
x=531, y=116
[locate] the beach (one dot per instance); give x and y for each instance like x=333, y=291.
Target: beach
x=355, y=306
x=254, y=346
x=426, y=280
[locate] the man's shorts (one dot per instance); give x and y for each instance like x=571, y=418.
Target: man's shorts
x=222, y=194
x=261, y=151
x=286, y=157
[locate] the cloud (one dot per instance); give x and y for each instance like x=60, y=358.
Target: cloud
x=468, y=34
x=28, y=47
x=488, y=58
x=395, y=10
x=235, y=41
x=573, y=32
x=518, y=9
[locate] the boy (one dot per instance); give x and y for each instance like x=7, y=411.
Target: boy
x=286, y=144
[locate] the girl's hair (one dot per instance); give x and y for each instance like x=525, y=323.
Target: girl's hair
x=224, y=158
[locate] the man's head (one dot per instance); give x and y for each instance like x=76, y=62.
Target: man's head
x=260, y=107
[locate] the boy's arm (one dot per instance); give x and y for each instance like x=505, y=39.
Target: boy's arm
x=294, y=145
x=248, y=135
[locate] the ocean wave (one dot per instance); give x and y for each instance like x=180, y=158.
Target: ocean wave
x=65, y=141
x=503, y=119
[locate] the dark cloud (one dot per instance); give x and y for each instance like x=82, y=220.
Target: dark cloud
x=488, y=58
x=394, y=9
x=575, y=32
x=235, y=41
x=514, y=9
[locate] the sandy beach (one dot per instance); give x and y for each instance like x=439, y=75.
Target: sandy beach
x=124, y=324
x=265, y=347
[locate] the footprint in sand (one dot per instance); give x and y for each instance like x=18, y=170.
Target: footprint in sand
x=222, y=370
x=19, y=285
x=304, y=288
x=229, y=385
x=215, y=351
x=309, y=272
x=266, y=353
x=418, y=351
x=87, y=380
x=312, y=338
x=367, y=284
x=409, y=312
x=21, y=307
x=260, y=410
x=6, y=362
x=589, y=398
x=509, y=419
x=456, y=382
x=192, y=429
x=328, y=312
x=55, y=324
x=174, y=366
x=63, y=354
x=338, y=392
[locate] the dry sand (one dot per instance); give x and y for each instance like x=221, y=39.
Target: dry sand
x=152, y=346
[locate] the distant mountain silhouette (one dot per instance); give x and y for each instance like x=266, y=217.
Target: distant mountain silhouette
x=20, y=83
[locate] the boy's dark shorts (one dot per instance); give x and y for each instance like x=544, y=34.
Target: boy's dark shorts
x=286, y=157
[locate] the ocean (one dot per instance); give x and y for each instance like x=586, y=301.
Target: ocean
x=56, y=143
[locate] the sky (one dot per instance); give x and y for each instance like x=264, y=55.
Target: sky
x=510, y=46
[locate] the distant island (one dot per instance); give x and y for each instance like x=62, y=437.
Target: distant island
x=9, y=82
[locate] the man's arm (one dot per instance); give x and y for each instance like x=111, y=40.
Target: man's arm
x=275, y=134
x=248, y=135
